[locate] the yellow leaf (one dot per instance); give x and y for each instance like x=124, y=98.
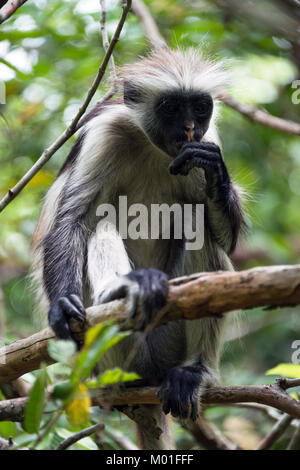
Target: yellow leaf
x=78, y=410
x=285, y=370
x=92, y=334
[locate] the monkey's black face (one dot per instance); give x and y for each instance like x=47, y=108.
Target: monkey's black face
x=180, y=117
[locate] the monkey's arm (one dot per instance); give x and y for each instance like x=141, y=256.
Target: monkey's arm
x=225, y=215
x=64, y=252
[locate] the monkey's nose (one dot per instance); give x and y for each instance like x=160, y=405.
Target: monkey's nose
x=189, y=128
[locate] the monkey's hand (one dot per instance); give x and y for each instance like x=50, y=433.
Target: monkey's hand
x=206, y=155
x=181, y=390
x=147, y=288
x=60, y=313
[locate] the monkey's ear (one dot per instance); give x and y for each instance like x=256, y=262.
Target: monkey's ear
x=131, y=94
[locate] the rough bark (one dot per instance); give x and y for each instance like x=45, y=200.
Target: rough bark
x=190, y=297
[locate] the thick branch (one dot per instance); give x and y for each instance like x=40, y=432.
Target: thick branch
x=71, y=129
x=190, y=297
x=13, y=409
x=9, y=9
x=271, y=395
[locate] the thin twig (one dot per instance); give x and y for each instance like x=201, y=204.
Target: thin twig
x=275, y=433
x=262, y=117
x=295, y=441
x=9, y=9
x=79, y=435
x=105, y=39
x=152, y=32
x=71, y=129
x=208, y=436
x=47, y=428
x=123, y=441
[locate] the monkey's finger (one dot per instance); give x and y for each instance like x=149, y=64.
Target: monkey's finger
x=70, y=310
x=118, y=291
x=202, y=145
x=77, y=302
x=63, y=330
x=194, y=408
x=133, y=298
x=177, y=163
x=58, y=322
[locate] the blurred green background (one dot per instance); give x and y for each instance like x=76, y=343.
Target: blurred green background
x=49, y=54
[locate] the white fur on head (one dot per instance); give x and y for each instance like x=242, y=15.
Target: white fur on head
x=168, y=69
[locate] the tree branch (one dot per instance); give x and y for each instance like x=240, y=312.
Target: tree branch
x=271, y=395
x=13, y=409
x=190, y=297
x=152, y=32
x=275, y=433
x=71, y=129
x=295, y=441
x=261, y=117
x=79, y=435
x=208, y=436
x=9, y=9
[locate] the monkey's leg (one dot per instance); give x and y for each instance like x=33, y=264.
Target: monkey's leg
x=107, y=258
x=108, y=265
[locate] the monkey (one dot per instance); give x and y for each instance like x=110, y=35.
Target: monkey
x=157, y=144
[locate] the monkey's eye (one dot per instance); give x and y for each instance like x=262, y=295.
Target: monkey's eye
x=203, y=106
x=169, y=107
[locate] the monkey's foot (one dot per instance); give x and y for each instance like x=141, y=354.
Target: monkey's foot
x=60, y=313
x=181, y=390
x=145, y=287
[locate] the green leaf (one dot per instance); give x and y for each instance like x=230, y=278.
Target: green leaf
x=113, y=376
x=7, y=429
x=61, y=351
x=36, y=402
x=285, y=370
x=63, y=390
x=100, y=339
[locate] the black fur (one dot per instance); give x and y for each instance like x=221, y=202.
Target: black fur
x=179, y=391
x=174, y=111
x=147, y=287
x=208, y=156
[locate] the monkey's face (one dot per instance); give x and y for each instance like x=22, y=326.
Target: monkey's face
x=181, y=117
x=175, y=118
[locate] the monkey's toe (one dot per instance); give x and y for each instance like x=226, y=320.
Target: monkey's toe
x=60, y=313
x=179, y=393
x=153, y=290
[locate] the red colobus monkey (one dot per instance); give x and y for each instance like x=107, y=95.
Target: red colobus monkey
x=158, y=145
